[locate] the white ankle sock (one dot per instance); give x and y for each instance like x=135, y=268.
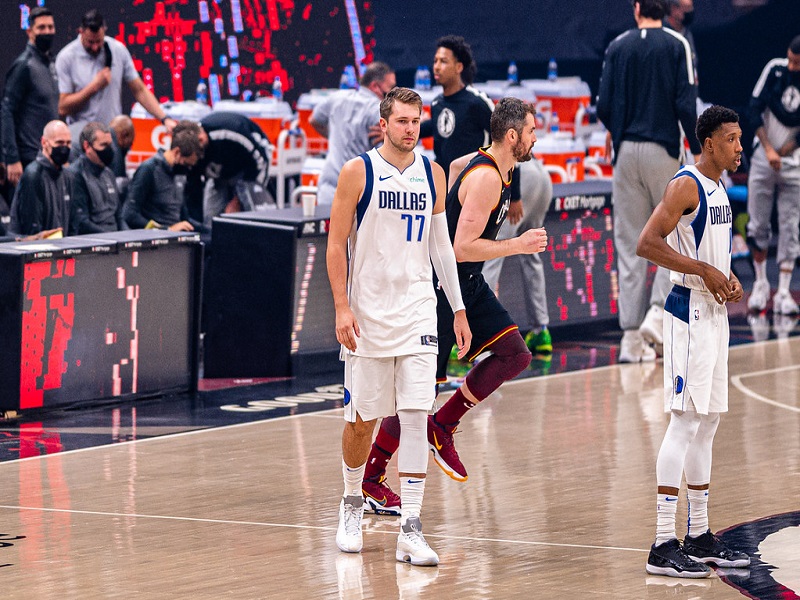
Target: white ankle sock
x=352, y=479
x=698, y=512
x=760, y=269
x=412, y=489
x=667, y=507
x=785, y=277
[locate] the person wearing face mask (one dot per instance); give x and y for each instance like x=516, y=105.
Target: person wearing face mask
x=680, y=15
x=156, y=193
x=31, y=95
x=91, y=70
x=349, y=119
x=96, y=205
x=42, y=198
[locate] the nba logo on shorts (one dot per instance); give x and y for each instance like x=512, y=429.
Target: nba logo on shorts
x=678, y=385
x=696, y=314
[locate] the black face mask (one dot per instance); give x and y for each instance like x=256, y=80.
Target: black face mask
x=106, y=155
x=688, y=18
x=59, y=155
x=44, y=41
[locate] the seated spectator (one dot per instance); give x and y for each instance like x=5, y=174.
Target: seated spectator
x=122, y=136
x=96, y=205
x=156, y=193
x=235, y=166
x=42, y=198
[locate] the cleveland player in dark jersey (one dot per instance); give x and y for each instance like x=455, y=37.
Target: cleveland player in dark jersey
x=476, y=206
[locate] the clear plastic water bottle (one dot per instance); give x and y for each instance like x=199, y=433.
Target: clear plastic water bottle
x=426, y=79
x=552, y=70
x=554, y=122
x=277, y=89
x=201, y=94
x=419, y=77
x=343, y=80
x=513, y=75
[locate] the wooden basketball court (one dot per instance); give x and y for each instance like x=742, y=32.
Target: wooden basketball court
x=560, y=499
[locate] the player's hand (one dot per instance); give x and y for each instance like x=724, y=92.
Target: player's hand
x=463, y=333
x=42, y=235
x=533, y=241
x=375, y=135
x=101, y=79
x=181, y=226
x=515, y=212
x=736, y=292
x=14, y=172
x=717, y=283
x=347, y=329
x=609, y=147
x=774, y=158
x=789, y=147
x=170, y=124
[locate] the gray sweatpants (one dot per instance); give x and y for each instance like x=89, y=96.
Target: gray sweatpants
x=537, y=194
x=762, y=181
x=641, y=173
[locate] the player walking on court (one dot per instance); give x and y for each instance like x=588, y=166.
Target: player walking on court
x=476, y=207
x=689, y=233
x=388, y=212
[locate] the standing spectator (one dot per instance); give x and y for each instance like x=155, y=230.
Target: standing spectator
x=235, y=165
x=647, y=92
x=689, y=233
x=386, y=311
x=156, y=194
x=680, y=15
x=42, y=198
x=91, y=70
x=96, y=205
x=775, y=166
x=31, y=96
x=349, y=119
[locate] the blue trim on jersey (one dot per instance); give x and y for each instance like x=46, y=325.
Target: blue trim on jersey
x=429, y=175
x=677, y=303
x=363, y=202
x=699, y=222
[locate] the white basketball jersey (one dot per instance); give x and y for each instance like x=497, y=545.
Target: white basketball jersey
x=390, y=274
x=706, y=233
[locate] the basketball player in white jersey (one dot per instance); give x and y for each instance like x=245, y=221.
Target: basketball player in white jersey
x=388, y=218
x=690, y=234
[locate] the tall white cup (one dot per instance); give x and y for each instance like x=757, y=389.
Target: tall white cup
x=309, y=202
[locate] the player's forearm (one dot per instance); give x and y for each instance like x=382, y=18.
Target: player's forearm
x=658, y=252
x=482, y=249
x=336, y=261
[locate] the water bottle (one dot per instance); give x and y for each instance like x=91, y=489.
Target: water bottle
x=513, y=76
x=554, y=122
x=419, y=78
x=277, y=89
x=343, y=80
x=201, y=95
x=426, y=79
x=552, y=70
x=352, y=77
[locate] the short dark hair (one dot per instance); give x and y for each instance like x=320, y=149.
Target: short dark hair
x=89, y=132
x=463, y=53
x=186, y=138
x=402, y=95
x=93, y=21
x=376, y=71
x=794, y=45
x=39, y=11
x=510, y=113
x=712, y=119
x=651, y=9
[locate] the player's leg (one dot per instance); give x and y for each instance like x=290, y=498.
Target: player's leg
x=761, y=181
x=380, y=498
x=216, y=196
x=415, y=375
x=788, y=244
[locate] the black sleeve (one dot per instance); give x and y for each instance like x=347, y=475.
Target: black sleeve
x=686, y=101
x=140, y=189
x=79, y=209
x=17, y=86
x=426, y=129
x=29, y=202
x=760, y=97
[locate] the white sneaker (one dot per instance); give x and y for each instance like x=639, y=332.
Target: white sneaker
x=759, y=296
x=652, y=328
x=348, y=535
x=632, y=348
x=784, y=304
x=412, y=547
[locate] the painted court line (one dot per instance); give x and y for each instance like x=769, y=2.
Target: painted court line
x=736, y=380
x=311, y=527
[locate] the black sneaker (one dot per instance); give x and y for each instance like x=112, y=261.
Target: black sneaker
x=708, y=548
x=669, y=559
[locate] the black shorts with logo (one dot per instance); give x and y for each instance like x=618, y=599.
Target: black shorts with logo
x=488, y=320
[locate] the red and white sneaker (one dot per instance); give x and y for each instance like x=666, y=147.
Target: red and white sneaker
x=379, y=497
x=444, y=452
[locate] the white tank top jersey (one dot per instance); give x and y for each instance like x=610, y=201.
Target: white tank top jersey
x=390, y=274
x=706, y=233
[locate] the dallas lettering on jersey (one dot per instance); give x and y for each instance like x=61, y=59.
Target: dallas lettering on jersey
x=402, y=200
x=720, y=214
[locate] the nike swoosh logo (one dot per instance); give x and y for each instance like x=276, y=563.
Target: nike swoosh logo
x=436, y=442
x=417, y=481
x=671, y=499
x=381, y=178
x=382, y=501
x=711, y=192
